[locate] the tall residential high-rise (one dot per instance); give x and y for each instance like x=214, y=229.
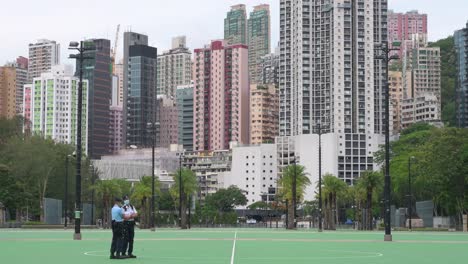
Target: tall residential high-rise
x=235, y=25
x=221, y=96
x=129, y=39
x=119, y=72
x=7, y=92
x=140, y=95
x=51, y=102
x=258, y=39
x=331, y=83
x=98, y=72
x=167, y=117
x=397, y=80
x=461, y=47
x=269, y=65
x=402, y=26
x=174, y=67
x=264, y=105
x=425, y=66
x=184, y=96
x=21, y=66
x=42, y=56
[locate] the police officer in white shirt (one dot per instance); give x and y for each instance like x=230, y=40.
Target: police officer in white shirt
x=130, y=213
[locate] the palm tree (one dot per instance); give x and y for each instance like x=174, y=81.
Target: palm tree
x=286, y=183
x=189, y=187
x=332, y=189
x=106, y=191
x=369, y=182
x=142, y=193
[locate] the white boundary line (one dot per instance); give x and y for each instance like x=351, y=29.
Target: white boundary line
x=234, y=248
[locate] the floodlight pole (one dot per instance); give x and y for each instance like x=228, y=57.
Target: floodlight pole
x=410, y=195
x=294, y=192
x=80, y=47
x=320, y=177
x=387, y=58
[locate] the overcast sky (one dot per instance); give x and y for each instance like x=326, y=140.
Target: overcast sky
x=25, y=21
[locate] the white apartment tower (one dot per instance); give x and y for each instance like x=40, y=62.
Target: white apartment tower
x=42, y=56
x=174, y=67
x=331, y=83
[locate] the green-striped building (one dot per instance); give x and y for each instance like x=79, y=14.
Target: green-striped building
x=51, y=104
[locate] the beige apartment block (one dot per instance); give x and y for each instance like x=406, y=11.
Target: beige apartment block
x=264, y=119
x=7, y=92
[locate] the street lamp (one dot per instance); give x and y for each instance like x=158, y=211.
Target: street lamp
x=152, y=128
x=320, y=176
x=294, y=192
x=181, y=155
x=93, y=180
x=81, y=47
x=410, y=195
x=385, y=56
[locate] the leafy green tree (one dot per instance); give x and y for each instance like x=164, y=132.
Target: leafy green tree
x=286, y=183
x=219, y=206
x=444, y=167
x=370, y=182
x=189, y=187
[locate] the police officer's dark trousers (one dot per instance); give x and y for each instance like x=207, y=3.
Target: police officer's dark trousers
x=130, y=235
x=117, y=245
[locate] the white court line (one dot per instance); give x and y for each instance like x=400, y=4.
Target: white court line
x=234, y=248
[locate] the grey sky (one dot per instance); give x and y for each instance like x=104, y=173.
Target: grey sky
x=200, y=20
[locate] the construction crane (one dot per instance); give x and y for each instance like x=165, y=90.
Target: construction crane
x=114, y=49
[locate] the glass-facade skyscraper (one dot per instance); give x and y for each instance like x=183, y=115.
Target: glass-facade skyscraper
x=141, y=95
x=99, y=75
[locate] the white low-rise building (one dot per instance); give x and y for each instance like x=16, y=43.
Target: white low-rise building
x=254, y=170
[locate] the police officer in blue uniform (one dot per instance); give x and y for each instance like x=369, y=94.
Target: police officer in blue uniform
x=116, y=251
x=130, y=213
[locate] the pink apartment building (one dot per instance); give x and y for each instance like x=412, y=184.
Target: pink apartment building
x=221, y=96
x=401, y=26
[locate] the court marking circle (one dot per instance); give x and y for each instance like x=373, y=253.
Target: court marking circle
x=93, y=253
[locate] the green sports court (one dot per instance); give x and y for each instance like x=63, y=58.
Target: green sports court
x=241, y=246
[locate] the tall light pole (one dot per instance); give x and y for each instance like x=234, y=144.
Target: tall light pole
x=152, y=129
x=81, y=47
x=294, y=192
x=180, y=189
x=410, y=195
x=320, y=176
x=386, y=58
